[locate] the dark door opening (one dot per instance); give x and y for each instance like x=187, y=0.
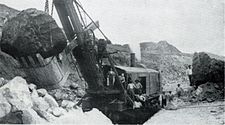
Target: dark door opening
x=143, y=83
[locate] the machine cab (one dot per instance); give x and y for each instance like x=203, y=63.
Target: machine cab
x=149, y=78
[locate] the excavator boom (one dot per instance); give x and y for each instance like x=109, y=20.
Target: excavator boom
x=84, y=52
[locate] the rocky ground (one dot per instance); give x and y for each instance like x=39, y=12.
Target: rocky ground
x=21, y=102
x=195, y=114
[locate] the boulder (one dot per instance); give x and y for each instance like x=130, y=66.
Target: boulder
x=33, y=91
x=67, y=104
x=30, y=32
x=46, y=115
x=3, y=81
x=207, y=69
x=40, y=104
x=32, y=86
x=5, y=107
x=51, y=101
x=17, y=94
x=58, y=111
x=42, y=92
x=29, y=116
x=80, y=92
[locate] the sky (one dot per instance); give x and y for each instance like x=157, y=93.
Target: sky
x=190, y=25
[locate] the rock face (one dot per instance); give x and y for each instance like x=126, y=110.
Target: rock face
x=168, y=60
x=207, y=69
x=31, y=32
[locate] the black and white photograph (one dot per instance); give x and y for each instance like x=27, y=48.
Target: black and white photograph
x=105, y=62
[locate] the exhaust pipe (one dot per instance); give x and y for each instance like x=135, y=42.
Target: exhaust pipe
x=132, y=60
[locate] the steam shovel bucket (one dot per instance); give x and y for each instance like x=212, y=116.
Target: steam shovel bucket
x=45, y=73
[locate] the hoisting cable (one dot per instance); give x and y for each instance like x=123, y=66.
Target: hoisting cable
x=91, y=19
x=81, y=17
x=84, y=17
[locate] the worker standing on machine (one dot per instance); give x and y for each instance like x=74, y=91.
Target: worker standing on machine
x=130, y=88
x=111, y=78
x=122, y=80
x=138, y=87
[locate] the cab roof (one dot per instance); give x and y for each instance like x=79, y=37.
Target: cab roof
x=136, y=69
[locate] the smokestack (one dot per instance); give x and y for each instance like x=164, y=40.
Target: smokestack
x=132, y=60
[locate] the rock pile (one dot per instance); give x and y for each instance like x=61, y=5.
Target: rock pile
x=207, y=92
x=23, y=103
x=208, y=76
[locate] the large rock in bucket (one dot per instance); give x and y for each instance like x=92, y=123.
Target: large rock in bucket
x=31, y=32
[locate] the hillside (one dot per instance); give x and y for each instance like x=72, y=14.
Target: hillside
x=170, y=61
x=162, y=47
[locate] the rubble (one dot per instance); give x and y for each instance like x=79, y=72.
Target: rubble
x=63, y=94
x=22, y=103
x=68, y=104
x=207, y=92
x=19, y=102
